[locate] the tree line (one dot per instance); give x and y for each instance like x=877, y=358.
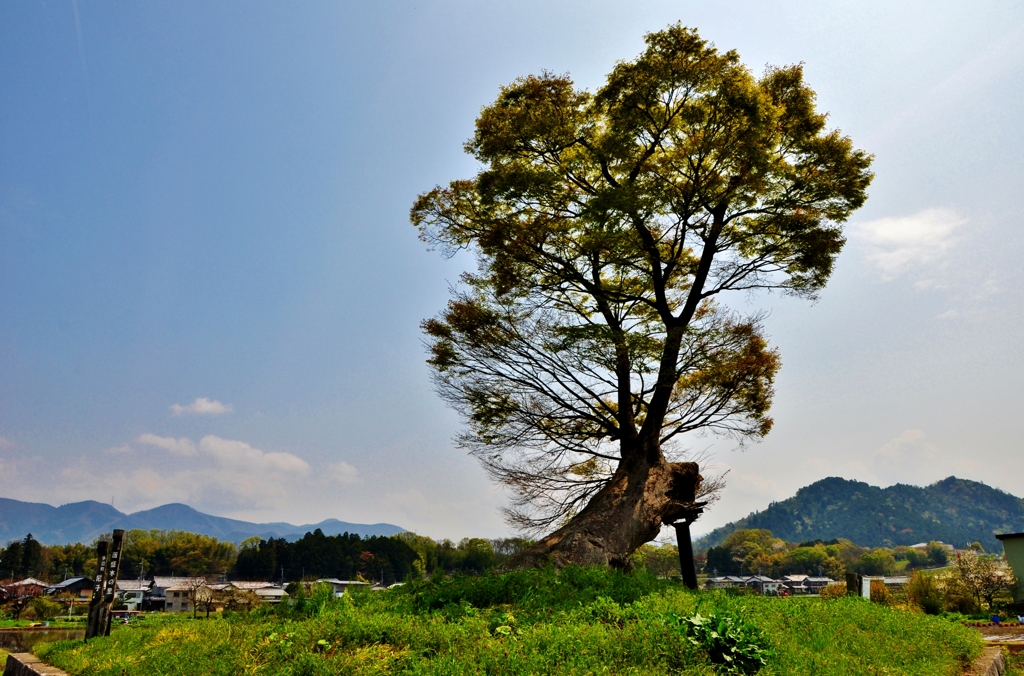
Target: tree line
x=408, y=555
x=29, y=558
x=347, y=556
x=757, y=551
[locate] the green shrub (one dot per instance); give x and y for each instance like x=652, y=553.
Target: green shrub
x=739, y=648
x=923, y=592
x=834, y=591
x=43, y=608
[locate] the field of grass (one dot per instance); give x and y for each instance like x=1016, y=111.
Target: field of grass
x=579, y=621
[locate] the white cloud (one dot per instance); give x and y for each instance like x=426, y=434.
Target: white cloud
x=5, y=443
x=202, y=406
x=909, y=244
x=182, y=446
x=342, y=473
x=215, y=475
x=123, y=449
x=240, y=456
x=910, y=458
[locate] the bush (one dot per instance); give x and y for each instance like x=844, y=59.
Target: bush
x=923, y=592
x=43, y=608
x=834, y=591
x=958, y=597
x=737, y=647
x=880, y=593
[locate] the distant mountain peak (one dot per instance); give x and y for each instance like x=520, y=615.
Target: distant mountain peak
x=85, y=521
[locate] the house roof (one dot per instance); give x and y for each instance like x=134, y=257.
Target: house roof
x=168, y=582
x=1009, y=536
x=28, y=581
x=245, y=584
x=795, y=578
x=334, y=580
x=134, y=585
x=70, y=582
x=270, y=591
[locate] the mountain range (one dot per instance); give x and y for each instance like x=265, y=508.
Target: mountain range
x=954, y=511
x=84, y=521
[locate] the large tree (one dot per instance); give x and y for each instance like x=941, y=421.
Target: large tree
x=607, y=228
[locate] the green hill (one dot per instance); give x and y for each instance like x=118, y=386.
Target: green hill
x=956, y=511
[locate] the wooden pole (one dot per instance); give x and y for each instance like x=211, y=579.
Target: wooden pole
x=99, y=584
x=687, y=566
x=110, y=591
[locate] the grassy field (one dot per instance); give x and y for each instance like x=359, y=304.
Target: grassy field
x=579, y=621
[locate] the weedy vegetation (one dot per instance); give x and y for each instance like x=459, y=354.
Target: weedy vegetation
x=576, y=621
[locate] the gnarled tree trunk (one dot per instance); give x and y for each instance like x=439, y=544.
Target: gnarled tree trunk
x=625, y=514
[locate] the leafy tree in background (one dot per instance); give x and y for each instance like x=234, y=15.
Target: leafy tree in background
x=661, y=560
x=173, y=552
x=11, y=561
x=605, y=227
x=877, y=562
x=74, y=560
x=986, y=577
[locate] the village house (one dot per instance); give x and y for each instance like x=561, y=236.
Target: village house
x=764, y=585
x=30, y=586
x=816, y=584
x=81, y=587
x=175, y=591
x=133, y=593
x=796, y=584
x=341, y=585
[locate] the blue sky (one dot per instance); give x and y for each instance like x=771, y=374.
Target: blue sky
x=205, y=206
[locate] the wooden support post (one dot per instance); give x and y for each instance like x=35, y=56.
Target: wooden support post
x=687, y=566
x=104, y=586
x=99, y=584
x=110, y=591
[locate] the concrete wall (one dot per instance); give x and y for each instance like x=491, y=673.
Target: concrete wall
x=1013, y=547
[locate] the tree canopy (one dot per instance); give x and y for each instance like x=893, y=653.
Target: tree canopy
x=607, y=226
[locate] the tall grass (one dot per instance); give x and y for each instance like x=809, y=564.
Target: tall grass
x=578, y=621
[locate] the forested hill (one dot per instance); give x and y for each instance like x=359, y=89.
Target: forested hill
x=955, y=511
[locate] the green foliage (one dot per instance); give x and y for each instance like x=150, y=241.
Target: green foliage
x=43, y=608
x=924, y=592
x=608, y=227
x=23, y=558
x=952, y=510
x=175, y=552
x=580, y=621
x=877, y=562
x=661, y=560
x=737, y=647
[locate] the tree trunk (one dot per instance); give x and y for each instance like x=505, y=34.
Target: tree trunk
x=624, y=515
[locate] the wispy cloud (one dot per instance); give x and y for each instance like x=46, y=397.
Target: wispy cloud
x=240, y=456
x=181, y=446
x=917, y=244
x=5, y=443
x=911, y=457
x=202, y=406
x=342, y=473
